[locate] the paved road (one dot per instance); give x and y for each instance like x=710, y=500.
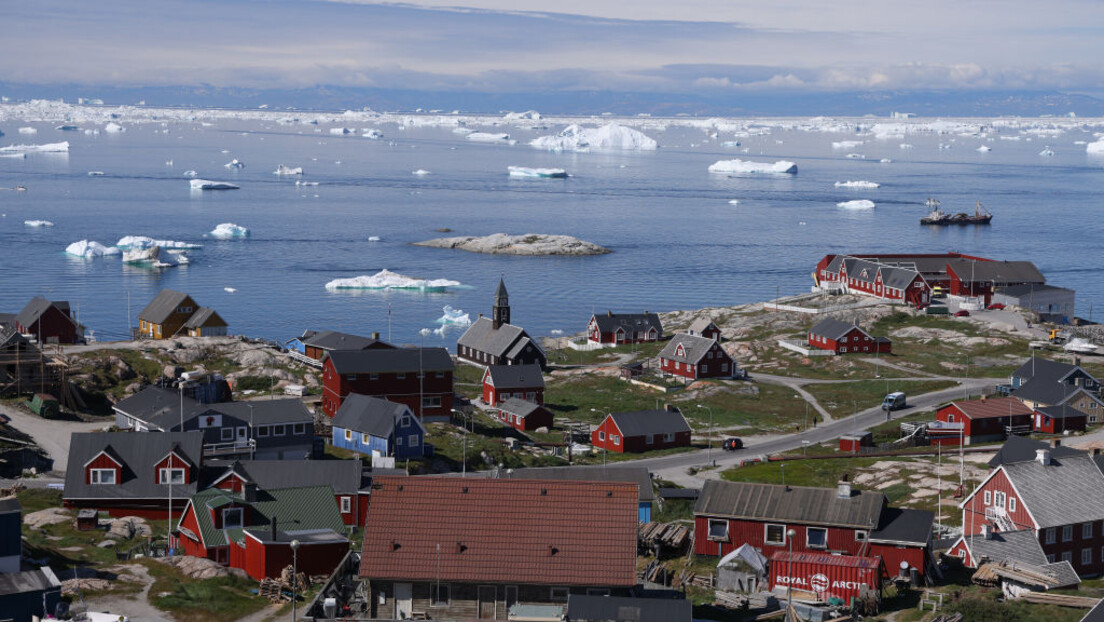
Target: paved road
x=50, y=434
x=674, y=467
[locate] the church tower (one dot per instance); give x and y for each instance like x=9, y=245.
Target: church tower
x=500, y=314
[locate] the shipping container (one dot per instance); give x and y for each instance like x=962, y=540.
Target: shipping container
x=825, y=576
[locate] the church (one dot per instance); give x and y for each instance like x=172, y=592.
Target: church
x=495, y=341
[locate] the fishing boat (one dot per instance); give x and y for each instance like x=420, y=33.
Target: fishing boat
x=936, y=216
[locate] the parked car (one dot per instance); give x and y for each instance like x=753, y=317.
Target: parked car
x=732, y=444
x=996, y=306
x=962, y=313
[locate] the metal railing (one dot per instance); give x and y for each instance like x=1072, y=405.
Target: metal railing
x=231, y=447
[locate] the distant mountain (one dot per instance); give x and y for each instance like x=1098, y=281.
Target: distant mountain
x=729, y=103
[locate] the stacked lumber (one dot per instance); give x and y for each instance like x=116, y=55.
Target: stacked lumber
x=282, y=589
x=273, y=590
x=656, y=572
x=689, y=577
x=1062, y=600
x=729, y=600
x=673, y=535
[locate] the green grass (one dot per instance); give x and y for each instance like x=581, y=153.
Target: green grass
x=938, y=357
x=842, y=399
x=568, y=357
x=224, y=599
x=814, y=473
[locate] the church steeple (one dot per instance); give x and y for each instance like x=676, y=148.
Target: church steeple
x=500, y=314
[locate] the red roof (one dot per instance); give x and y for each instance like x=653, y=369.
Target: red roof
x=992, y=408
x=501, y=531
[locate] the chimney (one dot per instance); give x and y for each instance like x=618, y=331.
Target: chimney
x=1077, y=361
x=986, y=531
x=273, y=527
x=249, y=492
x=1055, y=442
x=1043, y=456
x=671, y=408
x=1095, y=452
x=375, y=336
x=844, y=487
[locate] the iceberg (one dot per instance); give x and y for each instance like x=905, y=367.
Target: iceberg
x=305, y=183
x=14, y=156
x=857, y=184
x=537, y=173
x=855, y=156
x=340, y=131
x=287, y=170
x=387, y=280
x=371, y=133
x=67, y=128
x=114, y=128
x=846, y=144
x=373, y=238
x=734, y=202
x=229, y=290
x=95, y=173
x=485, y=137
x=454, y=316
x=748, y=167
x=859, y=204
x=203, y=184
x=190, y=173
x=1047, y=151
x=38, y=223
x=28, y=130
x=132, y=242
x=89, y=249
x=608, y=137
x=155, y=257
x=730, y=143
x=905, y=146
x=62, y=147
x=1095, y=147
x=235, y=163
x=229, y=230
x=984, y=148
x=420, y=172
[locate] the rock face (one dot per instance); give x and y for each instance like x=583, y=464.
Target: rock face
x=199, y=567
x=49, y=516
x=528, y=244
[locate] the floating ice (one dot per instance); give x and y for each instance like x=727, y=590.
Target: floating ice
x=847, y=144
x=856, y=156
x=454, y=316
x=905, y=146
x=386, y=280
x=1095, y=147
x=204, y=184
x=229, y=230
x=425, y=332
x=131, y=242
x=857, y=184
x=62, y=147
x=190, y=173
x=95, y=173
x=92, y=132
x=235, y=163
x=373, y=238
x=485, y=137
x=1047, y=151
x=287, y=170
x=420, y=172
x=155, y=257
x=730, y=143
x=528, y=115
x=114, y=128
x=38, y=223
x=607, y=137
x=747, y=167
x=534, y=173
x=28, y=130
x=89, y=249
x=67, y=128
x=734, y=202
x=859, y=204
x=556, y=331
x=371, y=133
x=984, y=148
x=229, y=290
x=886, y=161
x=306, y=183
x=340, y=131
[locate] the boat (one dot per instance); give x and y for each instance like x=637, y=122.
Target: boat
x=936, y=216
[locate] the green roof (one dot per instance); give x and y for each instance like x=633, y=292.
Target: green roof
x=307, y=507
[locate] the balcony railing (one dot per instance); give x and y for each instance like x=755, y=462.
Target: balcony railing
x=229, y=448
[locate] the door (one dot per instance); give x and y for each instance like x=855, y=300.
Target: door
x=243, y=439
x=487, y=595
x=511, y=597
x=403, y=601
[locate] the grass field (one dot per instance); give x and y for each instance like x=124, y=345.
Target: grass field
x=845, y=398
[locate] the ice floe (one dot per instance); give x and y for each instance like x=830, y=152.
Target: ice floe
x=287, y=170
x=984, y=148
x=28, y=130
x=747, y=167
x=371, y=133
x=387, y=280
x=606, y=138
x=420, y=172
x=1095, y=147
x=1047, y=152
x=306, y=183
x=486, y=137
x=14, y=156
x=235, y=163
x=190, y=173
x=95, y=173
x=857, y=184
x=373, y=238
x=89, y=249
x=205, y=184
x=155, y=257
x=454, y=316
x=131, y=242
x=114, y=128
x=535, y=173
x=857, y=204
x=340, y=131
x=38, y=223
x=62, y=147
x=228, y=230
x=734, y=201
x=229, y=290
x=847, y=144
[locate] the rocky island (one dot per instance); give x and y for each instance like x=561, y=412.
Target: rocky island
x=528, y=244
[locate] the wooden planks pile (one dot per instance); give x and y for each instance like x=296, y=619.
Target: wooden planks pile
x=656, y=572
x=1062, y=600
x=729, y=600
x=689, y=577
x=671, y=535
x=282, y=589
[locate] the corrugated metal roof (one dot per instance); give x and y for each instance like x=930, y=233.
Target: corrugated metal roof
x=1067, y=491
x=790, y=504
x=399, y=360
x=516, y=376
x=825, y=559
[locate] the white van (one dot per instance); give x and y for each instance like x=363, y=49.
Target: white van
x=894, y=401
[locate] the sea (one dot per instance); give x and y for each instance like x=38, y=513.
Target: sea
x=681, y=237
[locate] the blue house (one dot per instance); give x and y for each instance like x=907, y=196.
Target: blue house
x=366, y=424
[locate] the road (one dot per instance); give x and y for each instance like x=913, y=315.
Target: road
x=52, y=435
x=674, y=467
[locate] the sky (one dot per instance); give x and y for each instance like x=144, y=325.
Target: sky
x=663, y=46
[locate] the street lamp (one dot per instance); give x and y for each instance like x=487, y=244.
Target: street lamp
x=295, y=577
x=709, y=455
x=790, y=534
x=605, y=442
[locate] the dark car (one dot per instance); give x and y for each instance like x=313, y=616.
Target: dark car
x=732, y=444
x=996, y=306
x=962, y=313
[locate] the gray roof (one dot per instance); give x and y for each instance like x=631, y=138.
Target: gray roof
x=699, y=325
x=345, y=476
x=10, y=504
x=36, y=580
x=643, y=422
x=7, y=319
x=996, y=272
x=1046, y=369
x=1041, y=391
x=265, y=411
x=791, y=504
x=1068, y=490
x=369, y=415
x=1017, y=546
x=894, y=274
x=610, y=322
x=834, y=329
x=1018, y=291
x=482, y=336
x=516, y=376
x=1096, y=614
x=399, y=360
x=520, y=346
x=694, y=347
x=903, y=526
x=138, y=452
x=634, y=474
x=1022, y=449
x=202, y=316
x=36, y=307
x=334, y=340
x=898, y=278
x=161, y=408
x=583, y=608
x=162, y=306
x=519, y=407
x=1061, y=412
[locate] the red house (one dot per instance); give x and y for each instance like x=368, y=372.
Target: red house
x=1059, y=498
x=621, y=328
x=640, y=431
x=696, y=357
x=315, y=344
x=1059, y=419
x=842, y=338
x=980, y=421
x=49, y=322
x=420, y=378
x=907, y=279
x=704, y=327
x=254, y=530
x=524, y=415
x=502, y=382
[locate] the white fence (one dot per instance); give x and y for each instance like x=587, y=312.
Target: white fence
x=802, y=347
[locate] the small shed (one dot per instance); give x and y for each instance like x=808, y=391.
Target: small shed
x=850, y=443
x=88, y=519
x=742, y=570
x=44, y=405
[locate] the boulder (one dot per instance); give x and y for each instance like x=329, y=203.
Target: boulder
x=256, y=358
x=49, y=516
x=173, y=371
x=128, y=527
x=75, y=586
x=196, y=567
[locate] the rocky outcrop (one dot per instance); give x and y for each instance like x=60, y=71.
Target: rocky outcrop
x=49, y=516
x=200, y=567
x=529, y=244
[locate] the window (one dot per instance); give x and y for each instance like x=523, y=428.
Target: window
x=775, y=534
x=988, y=497
x=227, y=434
x=401, y=376
x=103, y=476
x=988, y=494
x=440, y=374
x=351, y=377
x=705, y=368
x=1067, y=556
x=1102, y=553
x=1012, y=504
x=559, y=594
x=348, y=435
x=300, y=428
x=816, y=538
x=616, y=439
x=1050, y=558
x=261, y=431
x=1086, y=556
x=860, y=535
x=346, y=505
x=232, y=518
x=601, y=436
x=669, y=437
x=844, y=340
x=649, y=439
x=373, y=376
x=278, y=430
x=1050, y=539
x=1086, y=530
x=412, y=440
x=404, y=421
x=843, y=349
x=998, y=499
x=1067, y=533
x=439, y=595
x=718, y=529
x=365, y=439
x=398, y=441
x=171, y=476
x=431, y=402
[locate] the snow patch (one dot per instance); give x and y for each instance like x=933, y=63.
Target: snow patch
x=387, y=280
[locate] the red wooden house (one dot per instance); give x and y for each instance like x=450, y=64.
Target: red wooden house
x=420, y=378
x=842, y=338
x=980, y=421
x=1059, y=498
x=1059, y=419
x=704, y=327
x=502, y=382
x=253, y=530
x=903, y=279
x=695, y=358
x=640, y=431
x=524, y=415
x=315, y=344
x=617, y=328
x=49, y=322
